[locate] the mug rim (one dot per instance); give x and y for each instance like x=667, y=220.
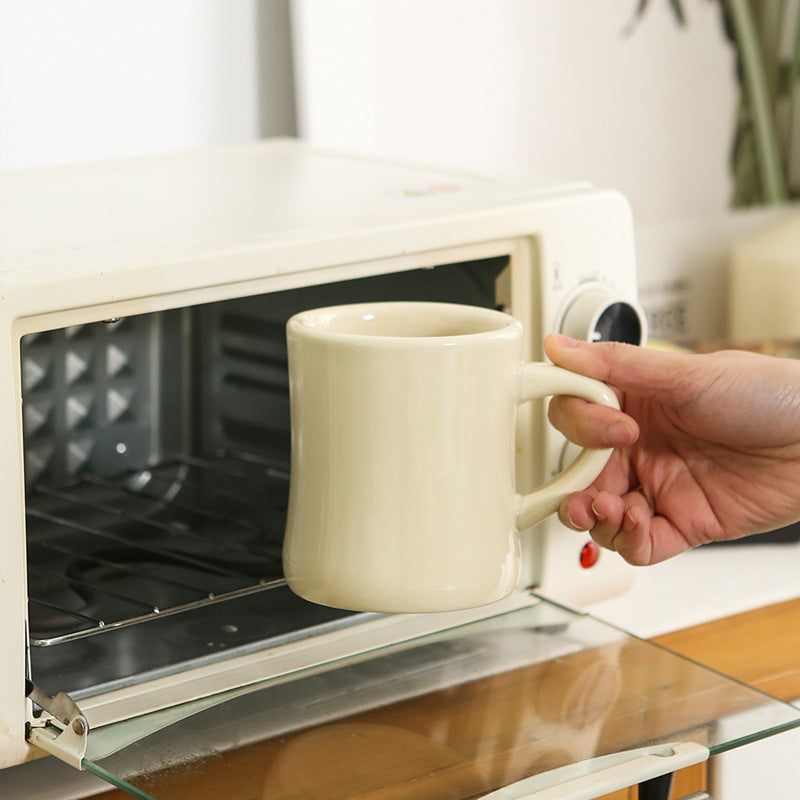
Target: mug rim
x=313, y=323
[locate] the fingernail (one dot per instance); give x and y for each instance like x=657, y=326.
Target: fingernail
x=574, y=525
x=628, y=521
x=619, y=433
x=565, y=341
x=598, y=516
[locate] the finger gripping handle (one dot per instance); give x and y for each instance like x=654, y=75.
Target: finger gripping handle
x=537, y=381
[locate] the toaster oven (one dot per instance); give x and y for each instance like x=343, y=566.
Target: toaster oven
x=144, y=409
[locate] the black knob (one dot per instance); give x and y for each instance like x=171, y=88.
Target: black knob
x=596, y=314
x=619, y=322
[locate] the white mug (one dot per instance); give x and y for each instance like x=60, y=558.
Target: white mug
x=402, y=494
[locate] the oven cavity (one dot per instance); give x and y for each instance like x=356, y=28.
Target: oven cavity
x=157, y=475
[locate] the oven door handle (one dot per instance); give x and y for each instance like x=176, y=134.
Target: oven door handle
x=595, y=777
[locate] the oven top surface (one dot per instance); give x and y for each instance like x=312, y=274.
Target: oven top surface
x=171, y=207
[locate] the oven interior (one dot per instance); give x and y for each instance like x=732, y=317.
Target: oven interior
x=157, y=473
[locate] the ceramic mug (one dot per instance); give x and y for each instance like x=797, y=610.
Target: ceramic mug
x=402, y=494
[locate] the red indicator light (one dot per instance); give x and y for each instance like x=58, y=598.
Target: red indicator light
x=590, y=552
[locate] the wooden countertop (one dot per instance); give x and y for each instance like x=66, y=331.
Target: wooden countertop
x=383, y=755
x=760, y=648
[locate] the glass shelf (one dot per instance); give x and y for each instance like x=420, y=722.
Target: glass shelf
x=526, y=698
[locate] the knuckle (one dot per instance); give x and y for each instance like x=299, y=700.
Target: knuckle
x=614, y=353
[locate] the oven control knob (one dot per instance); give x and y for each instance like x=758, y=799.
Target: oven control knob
x=594, y=313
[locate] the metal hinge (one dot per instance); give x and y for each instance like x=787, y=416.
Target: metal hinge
x=61, y=729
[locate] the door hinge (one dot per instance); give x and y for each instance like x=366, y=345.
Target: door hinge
x=61, y=729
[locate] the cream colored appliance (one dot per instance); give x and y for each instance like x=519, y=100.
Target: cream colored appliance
x=144, y=406
x=764, y=283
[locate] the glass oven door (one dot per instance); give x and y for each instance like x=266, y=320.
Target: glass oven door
x=536, y=702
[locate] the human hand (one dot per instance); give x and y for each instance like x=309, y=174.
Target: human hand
x=707, y=446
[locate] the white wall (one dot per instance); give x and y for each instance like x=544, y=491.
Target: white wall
x=553, y=88
x=94, y=79
x=562, y=90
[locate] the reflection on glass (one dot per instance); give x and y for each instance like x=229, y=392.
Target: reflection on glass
x=457, y=714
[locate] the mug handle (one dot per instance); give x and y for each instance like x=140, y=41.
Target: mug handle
x=538, y=380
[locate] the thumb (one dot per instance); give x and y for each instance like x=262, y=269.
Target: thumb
x=625, y=366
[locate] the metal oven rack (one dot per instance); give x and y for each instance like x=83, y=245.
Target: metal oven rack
x=193, y=544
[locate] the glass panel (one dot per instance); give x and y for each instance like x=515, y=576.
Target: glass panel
x=458, y=713
x=114, y=780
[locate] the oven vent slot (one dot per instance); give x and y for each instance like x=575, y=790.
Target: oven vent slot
x=107, y=553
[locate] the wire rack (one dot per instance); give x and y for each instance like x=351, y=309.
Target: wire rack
x=107, y=553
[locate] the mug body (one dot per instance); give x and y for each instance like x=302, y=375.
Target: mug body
x=402, y=490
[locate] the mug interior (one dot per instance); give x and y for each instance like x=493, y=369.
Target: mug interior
x=406, y=320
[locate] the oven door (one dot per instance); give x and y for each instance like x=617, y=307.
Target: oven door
x=536, y=701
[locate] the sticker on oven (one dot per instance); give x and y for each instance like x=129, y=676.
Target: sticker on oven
x=426, y=190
